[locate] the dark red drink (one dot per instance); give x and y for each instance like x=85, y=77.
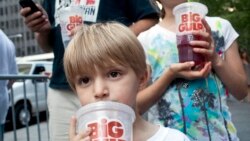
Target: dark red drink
x=186, y=51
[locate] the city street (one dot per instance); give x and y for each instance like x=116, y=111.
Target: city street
x=240, y=114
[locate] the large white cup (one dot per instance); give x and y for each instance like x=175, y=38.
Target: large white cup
x=69, y=18
x=188, y=17
x=108, y=121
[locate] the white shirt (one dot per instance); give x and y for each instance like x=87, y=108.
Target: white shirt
x=168, y=134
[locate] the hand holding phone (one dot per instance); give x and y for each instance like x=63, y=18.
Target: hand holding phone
x=29, y=3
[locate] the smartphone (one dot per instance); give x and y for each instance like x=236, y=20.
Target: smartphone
x=29, y=3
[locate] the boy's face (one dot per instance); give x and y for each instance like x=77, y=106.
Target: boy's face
x=116, y=83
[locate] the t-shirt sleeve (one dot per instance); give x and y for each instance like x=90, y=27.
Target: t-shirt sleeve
x=229, y=33
x=144, y=43
x=141, y=9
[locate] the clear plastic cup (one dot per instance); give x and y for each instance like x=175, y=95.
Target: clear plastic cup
x=108, y=121
x=188, y=17
x=69, y=18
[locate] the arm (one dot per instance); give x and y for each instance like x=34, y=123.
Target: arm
x=10, y=83
x=38, y=22
x=143, y=13
x=43, y=41
x=231, y=72
x=150, y=95
x=230, y=69
x=142, y=25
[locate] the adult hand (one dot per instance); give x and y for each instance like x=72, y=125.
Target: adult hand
x=38, y=21
x=81, y=136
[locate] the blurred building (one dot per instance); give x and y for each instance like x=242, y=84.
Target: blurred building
x=13, y=25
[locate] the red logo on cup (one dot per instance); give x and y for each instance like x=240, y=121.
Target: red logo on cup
x=108, y=130
x=89, y=2
x=74, y=21
x=190, y=21
x=77, y=1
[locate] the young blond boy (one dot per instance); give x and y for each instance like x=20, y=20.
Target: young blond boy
x=106, y=62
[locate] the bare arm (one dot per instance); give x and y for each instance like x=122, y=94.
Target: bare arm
x=150, y=95
x=231, y=72
x=230, y=69
x=38, y=22
x=142, y=25
x=43, y=41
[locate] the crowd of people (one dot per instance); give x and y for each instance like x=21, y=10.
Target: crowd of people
x=138, y=15
x=134, y=60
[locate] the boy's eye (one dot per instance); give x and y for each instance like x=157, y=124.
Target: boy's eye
x=84, y=80
x=114, y=74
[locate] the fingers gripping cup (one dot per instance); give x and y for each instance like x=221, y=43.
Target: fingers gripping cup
x=108, y=121
x=69, y=18
x=188, y=18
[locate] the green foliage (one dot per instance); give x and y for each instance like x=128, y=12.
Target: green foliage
x=193, y=0
x=236, y=11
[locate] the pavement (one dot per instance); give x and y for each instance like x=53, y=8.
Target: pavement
x=22, y=135
x=240, y=116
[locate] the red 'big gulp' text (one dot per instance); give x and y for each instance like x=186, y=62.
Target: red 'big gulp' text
x=189, y=22
x=106, y=130
x=74, y=21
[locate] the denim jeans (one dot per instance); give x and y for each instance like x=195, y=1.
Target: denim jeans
x=1, y=131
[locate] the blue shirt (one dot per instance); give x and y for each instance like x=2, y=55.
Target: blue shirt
x=8, y=66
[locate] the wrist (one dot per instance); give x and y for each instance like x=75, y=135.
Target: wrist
x=170, y=73
x=43, y=33
x=217, y=62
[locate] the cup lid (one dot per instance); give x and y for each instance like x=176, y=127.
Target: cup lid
x=69, y=8
x=196, y=6
x=106, y=105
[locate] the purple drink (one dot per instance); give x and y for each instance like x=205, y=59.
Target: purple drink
x=186, y=51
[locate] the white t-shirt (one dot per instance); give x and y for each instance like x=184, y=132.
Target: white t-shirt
x=168, y=134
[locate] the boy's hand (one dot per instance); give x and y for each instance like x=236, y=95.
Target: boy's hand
x=82, y=136
x=184, y=70
x=38, y=21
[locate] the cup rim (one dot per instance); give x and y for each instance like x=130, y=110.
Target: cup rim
x=189, y=4
x=70, y=7
x=105, y=105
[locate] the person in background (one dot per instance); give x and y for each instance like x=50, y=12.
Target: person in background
x=139, y=15
x=193, y=102
x=8, y=67
x=245, y=60
x=101, y=65
x=244, y=56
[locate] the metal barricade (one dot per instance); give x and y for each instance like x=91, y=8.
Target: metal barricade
x=28, y=97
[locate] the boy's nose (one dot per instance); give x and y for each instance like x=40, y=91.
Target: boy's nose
x=101, y=90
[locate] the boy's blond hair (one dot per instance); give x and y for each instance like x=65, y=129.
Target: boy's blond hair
x=102, y=45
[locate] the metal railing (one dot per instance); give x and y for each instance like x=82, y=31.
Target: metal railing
x=30, y=93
